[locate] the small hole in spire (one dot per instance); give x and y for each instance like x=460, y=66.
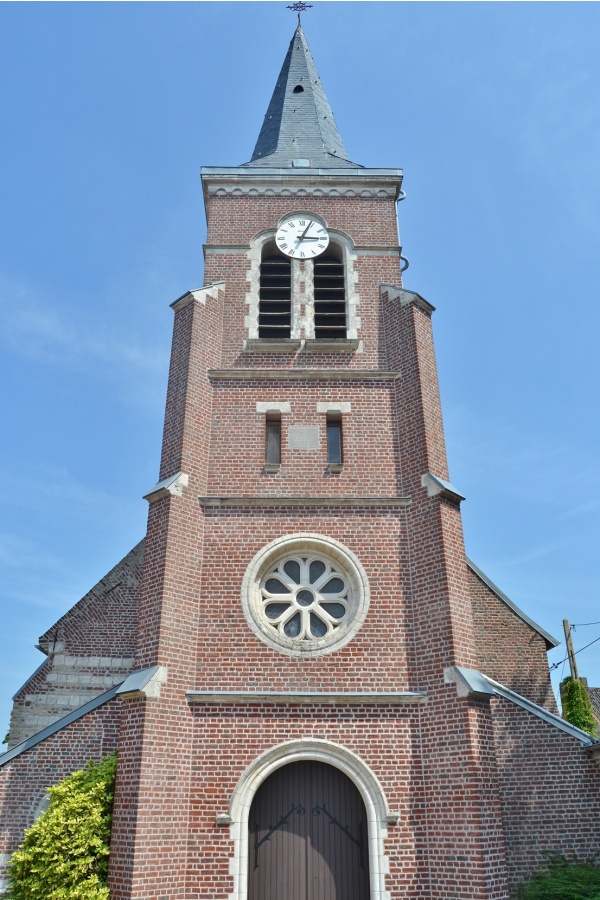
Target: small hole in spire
x=298, y=89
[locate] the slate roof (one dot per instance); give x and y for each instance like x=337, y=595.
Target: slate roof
x=299, y=124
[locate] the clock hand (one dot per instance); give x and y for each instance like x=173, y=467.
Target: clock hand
x=301, y=238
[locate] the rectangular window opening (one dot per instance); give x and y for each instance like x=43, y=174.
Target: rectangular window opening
x=275, y=298
x=330, y=299
x=273, y=442
x=334, y=442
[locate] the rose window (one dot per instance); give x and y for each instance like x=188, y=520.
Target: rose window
x=305, y=594
x=305, y=598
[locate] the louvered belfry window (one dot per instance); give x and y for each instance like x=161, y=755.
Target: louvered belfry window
x=275, y=299
x=330, y=298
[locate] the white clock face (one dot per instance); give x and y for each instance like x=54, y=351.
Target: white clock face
x=302, y=237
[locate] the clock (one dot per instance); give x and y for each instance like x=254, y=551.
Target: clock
x=302, y=237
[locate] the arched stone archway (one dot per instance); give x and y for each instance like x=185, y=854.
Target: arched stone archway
x=367, y=785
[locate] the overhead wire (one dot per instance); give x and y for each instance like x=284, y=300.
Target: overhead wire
x=557, y=664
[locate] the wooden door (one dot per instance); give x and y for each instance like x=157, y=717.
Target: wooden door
x=308, y=836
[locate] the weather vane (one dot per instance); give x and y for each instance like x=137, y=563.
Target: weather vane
x=299, y=7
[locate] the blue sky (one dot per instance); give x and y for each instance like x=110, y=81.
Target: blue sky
x=108, y=111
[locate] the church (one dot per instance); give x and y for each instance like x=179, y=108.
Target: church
x=314, y=693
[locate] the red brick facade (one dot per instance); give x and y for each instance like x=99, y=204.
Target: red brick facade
x=453, y=778
x=509, y=650
x=549, y=790
x=23, y=780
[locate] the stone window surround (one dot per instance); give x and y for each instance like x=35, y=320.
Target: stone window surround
x=341, y=408
x=365, y=780
x=300, y=278
x=292, y=545
x=279, y=408
x=284, y=406
x=305, y=598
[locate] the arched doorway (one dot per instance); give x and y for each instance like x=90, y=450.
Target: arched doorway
x=308, y=836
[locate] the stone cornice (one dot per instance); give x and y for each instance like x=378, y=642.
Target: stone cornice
x=302, y=375
x=357, y=250
x=279, y=501
x=284, y=698
x=384, y=184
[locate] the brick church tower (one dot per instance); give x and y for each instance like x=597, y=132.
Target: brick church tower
x=305, y=579
x=306, y=717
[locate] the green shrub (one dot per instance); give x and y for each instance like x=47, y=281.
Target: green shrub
x=576, y=705
x=64, y=855
x=564, y=880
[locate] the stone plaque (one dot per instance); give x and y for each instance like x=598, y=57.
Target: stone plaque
x=303, y=437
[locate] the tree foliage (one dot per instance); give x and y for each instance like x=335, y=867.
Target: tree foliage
x=576, y=705
x=64, y=855
x=564, y=880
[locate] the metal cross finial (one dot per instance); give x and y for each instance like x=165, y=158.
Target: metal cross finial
x=299, y=6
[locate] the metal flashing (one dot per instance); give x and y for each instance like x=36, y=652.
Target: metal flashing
x=197, y=294
x=541, y=713
x=143, y=683
x=405, y=298
x=469, y=682
x=49, y=730
x=438, y=487
x=550, y=640
x=173, y=485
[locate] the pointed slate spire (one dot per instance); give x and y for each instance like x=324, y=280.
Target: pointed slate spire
x=299, y=128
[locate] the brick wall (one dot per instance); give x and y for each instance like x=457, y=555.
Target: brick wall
x=550, y=789
x=237, y=444
x=509, y=650
x=228, y=738
x=150, y=824
x=23, y=780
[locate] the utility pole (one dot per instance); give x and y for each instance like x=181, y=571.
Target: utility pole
x=570, y=651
